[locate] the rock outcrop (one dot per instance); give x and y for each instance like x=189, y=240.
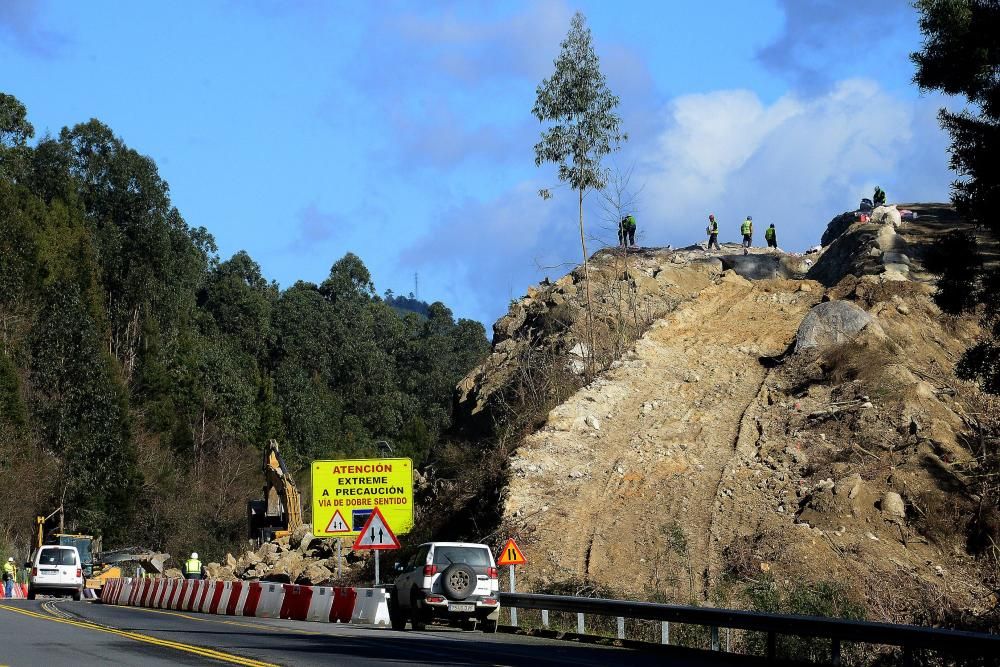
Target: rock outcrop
x=831, y=323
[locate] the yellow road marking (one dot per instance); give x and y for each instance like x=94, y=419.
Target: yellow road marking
x=212, y=619
x=187, y=648
x=51, y=608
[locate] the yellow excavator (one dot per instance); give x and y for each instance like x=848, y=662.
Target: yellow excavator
x=280, y=511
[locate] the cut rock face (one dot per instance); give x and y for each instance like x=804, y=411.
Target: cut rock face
x=831, y=323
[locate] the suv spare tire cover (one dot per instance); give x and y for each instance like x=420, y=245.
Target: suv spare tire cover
x=458, y=581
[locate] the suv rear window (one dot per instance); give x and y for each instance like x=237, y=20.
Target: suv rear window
x=57, y=557
x=471, y=555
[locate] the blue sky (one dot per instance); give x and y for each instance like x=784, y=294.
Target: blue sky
x=402, y=131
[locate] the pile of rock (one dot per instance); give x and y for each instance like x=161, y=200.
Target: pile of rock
x=299, y=558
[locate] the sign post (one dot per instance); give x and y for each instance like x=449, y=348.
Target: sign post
x=511, y=555
x=376, y=535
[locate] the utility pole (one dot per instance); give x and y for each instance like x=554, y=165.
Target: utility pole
x=416, y=286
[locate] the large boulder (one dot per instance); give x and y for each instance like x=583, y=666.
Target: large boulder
x=315, y=574
x=320, y=548
x=173, y=573
x=306, y=544
x=887, y=215
x=893, y=505
x=831, y=323
x=299, y=534
x=287, y=568
x=753, y=267
x=278, y=576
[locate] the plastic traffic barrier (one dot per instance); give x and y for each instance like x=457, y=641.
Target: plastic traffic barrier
x=343, y=605
x=269, y=601
x=262, y=599
x=295, y=604
x=320, y=604
x=372, y=607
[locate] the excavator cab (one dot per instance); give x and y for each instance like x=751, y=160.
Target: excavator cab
x=280, y=510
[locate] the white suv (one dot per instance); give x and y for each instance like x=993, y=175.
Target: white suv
x=56, y=570
x=452, y=580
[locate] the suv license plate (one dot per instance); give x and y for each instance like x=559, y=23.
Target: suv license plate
x=462, y=607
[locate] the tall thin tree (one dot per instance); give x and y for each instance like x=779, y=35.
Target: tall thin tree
x=583, y=127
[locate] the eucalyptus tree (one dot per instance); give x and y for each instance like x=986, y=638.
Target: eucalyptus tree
x=583, y=127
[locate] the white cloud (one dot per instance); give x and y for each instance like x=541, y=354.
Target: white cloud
x=796, y=162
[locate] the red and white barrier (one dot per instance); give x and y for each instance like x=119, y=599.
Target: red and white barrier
x=259, y=599
x=372, y=607
x=17, y=591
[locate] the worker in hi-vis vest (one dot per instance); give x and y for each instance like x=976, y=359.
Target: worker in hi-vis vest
x=192, y=568
x=9, y=576
x=771, y=236
x=713, y=233
x=746, y=229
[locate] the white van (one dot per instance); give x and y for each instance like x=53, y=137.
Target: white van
x=56, y=570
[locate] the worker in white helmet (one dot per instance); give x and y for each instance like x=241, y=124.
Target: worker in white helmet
x=9, y=574
x=192, y=568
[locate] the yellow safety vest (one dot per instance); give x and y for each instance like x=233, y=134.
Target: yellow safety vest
x=746, y=227
x=769, y=233
x=193, y=566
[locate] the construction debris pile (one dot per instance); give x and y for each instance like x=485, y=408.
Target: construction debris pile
x=299, y=558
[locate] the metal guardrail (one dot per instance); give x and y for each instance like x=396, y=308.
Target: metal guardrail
x=908, y=637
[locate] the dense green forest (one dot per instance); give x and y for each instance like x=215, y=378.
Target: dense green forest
x=140, y=373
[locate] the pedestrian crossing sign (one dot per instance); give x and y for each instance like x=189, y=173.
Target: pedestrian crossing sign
x=511, y=554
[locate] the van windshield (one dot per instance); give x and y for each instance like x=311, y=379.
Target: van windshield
x=57, y=556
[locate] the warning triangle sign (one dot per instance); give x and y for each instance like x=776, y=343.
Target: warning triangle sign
x=376, y=533
x=511, y=554
x=337, y=524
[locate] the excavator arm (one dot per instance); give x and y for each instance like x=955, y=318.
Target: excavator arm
x=280, y=510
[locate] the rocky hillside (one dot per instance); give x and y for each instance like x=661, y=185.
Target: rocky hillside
x=779, y=418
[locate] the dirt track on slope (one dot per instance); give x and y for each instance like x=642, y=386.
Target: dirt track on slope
x=630, y=505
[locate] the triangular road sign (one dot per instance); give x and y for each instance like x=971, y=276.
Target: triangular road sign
x=337, y=524
x=511, y=554
x=376, y=533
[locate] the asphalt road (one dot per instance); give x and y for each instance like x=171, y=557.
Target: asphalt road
x=56, y=633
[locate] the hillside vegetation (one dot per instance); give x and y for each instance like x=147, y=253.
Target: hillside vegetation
x=140, y=372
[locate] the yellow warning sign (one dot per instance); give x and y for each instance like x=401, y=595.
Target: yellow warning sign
x=353, y=488
x=511, y=554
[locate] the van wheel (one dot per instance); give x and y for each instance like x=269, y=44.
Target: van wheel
x=489, y=625
x=77, y=595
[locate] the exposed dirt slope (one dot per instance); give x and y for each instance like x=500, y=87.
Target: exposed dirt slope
x=668, y=418
x=711, y=454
